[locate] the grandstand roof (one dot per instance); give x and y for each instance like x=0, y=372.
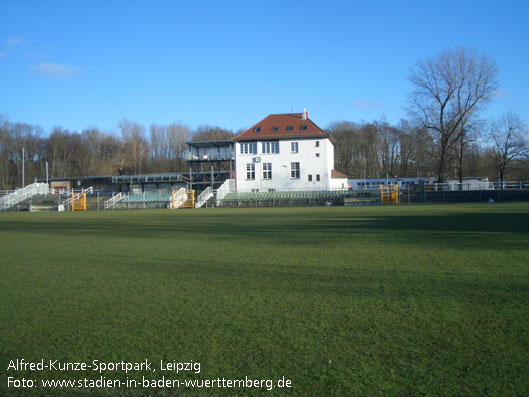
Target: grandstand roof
x=336, y=174
x=283, y=126
x=224, y=143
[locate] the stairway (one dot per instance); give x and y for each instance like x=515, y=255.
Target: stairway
x=204, y=197
x=20, y=195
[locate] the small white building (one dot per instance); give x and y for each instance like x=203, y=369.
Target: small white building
x=480, y=183
x=286, y=152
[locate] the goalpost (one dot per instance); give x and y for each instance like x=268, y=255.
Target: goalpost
x=182, y=198
x=78, y=201
x=389, y=194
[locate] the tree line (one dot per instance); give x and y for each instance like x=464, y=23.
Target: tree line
x=496, y=149
x=445, y=136
x=133, y=150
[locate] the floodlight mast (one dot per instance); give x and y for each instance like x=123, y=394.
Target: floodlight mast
x=23, y=155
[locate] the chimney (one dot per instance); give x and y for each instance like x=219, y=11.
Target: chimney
x=305, y=115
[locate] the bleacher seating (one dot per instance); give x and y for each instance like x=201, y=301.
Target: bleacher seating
x=154, y=197
x=297, y=196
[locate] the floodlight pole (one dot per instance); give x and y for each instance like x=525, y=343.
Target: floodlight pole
x=22, y=168
x=47, y=184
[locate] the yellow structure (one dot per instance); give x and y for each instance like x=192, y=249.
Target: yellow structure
x=389, y=194
x=183, y=198
x=78, y=201
x=189, y=199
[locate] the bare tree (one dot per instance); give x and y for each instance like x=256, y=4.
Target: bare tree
x=100, y=152
x=177, y=136
x=346, y=148
x=509, y=142
x=134, y=147
x=465, y=144
x=167, y=143
x=448, y=89
x=211, y=133
x=378, y=149
x=57, y=152
x=5, y=155
x=389, y=152
x=369, y=150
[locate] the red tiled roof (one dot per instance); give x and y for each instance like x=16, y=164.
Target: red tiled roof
x=282, y=126
x=336, y=174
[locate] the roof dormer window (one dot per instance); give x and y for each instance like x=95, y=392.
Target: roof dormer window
x=275, y=128
x=303, y=127
x=257, y=129
x=290, y=128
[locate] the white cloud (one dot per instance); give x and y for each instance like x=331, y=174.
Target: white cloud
x=13, y=41
x=55, y=70
x=359, y=104
x=502, y=94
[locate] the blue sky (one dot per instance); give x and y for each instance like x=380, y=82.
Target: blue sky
x=227, y=63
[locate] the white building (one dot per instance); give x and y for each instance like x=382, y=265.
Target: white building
x=286, y=152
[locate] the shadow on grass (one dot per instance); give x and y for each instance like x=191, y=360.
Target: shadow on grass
x=510, y=229
x=347, y=281
x=470, y=222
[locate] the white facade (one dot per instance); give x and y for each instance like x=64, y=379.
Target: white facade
x=284, y=164
x=339, y=183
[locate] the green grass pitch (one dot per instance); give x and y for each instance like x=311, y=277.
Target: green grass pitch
x=393, y=300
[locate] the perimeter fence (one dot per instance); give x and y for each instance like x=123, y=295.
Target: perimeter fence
x=462, y=196
x=427, y=194
x=466, y=193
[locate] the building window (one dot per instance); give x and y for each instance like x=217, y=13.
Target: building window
x=250, y=171
x=294, y=147
x=303, y=127
x=249, y=148
x=270, y=147
x=257, y=129
x=267, y=170
x=275, y=128
x=317, y=155
x=317, y=144
x=290, y=128
x=310, y=177
x=294, y=170
x=317, y=177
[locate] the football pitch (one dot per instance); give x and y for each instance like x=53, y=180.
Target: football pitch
x=393, y=300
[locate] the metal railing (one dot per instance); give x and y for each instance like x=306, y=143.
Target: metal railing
x=204, y=197
x=25, y=193
x=473, y=185
x=209, y=156
x=166, y=177
x=227, y=187
x=110, y=203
